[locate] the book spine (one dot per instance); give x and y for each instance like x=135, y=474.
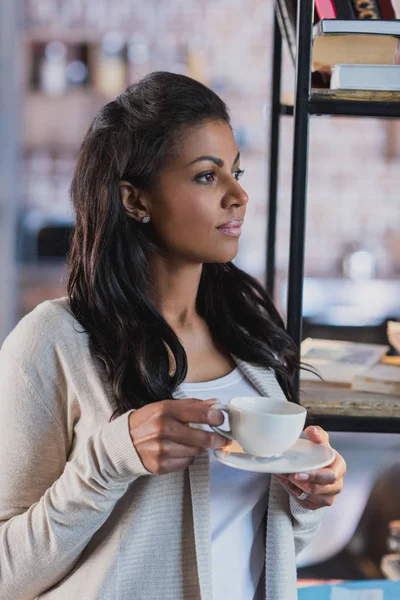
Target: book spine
x=367, y=9
x=325, y=9
x=387, y=10
x=345, y=9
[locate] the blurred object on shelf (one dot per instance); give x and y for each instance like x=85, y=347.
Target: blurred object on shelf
x=342, y=309
x=343, y=302
x=58, y=66
x=197, y=59
x=390, y=563
x=359, y=265
x=382, y=378
x=393, y=332
x=112, y=69
x=43, y=238
x=54, y=241
x=53, y=73
x=338, y=361
x=138, y=53
x=77, y=73
x=358, y=262
x=46, y=179
x=43, y=242
x=368, y=257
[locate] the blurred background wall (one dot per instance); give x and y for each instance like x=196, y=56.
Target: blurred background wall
x=74, y=56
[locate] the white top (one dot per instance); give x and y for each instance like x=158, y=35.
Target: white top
x=238, y=504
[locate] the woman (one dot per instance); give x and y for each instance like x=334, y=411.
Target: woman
x=106, y=487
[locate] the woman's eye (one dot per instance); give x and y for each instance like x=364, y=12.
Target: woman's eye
x=210, y=176
x=206, y=177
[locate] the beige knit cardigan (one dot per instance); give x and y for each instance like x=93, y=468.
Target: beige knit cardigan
x=80, y=517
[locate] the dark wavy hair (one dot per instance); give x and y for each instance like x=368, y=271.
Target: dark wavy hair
x=132, y=139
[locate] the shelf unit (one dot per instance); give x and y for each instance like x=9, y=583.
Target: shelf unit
x=307, y=103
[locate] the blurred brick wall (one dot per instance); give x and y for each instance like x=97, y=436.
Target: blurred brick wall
x=353, y=191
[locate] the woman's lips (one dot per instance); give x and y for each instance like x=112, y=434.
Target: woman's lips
x=233, y=228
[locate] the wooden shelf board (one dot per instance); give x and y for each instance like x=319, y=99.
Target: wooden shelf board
x=324, y=399
x=353, y=103
x=356, y=95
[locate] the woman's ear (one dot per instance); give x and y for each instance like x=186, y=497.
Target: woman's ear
x=134, y=203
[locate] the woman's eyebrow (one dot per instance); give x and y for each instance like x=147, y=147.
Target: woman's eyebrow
x=218, y=161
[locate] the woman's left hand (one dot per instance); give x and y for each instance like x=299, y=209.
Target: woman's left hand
x=318, y=488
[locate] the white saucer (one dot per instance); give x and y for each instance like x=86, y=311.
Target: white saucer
x=302, y=456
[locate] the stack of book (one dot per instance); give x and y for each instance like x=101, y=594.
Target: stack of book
x=361, y=367
x=356, y=43
x=358, y=54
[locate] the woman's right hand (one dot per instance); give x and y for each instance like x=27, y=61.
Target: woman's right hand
x=163, y=438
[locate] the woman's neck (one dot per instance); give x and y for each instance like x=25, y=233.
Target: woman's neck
x=174, y=290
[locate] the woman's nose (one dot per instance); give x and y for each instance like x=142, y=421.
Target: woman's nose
x=236, y=194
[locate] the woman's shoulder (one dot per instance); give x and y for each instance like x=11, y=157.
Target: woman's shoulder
x=47, y=328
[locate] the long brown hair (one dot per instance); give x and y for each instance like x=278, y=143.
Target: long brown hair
x=130, y=139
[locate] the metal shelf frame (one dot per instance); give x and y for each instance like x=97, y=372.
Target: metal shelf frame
x=306, y=104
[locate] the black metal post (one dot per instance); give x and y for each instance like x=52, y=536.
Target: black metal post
x=273, y=157
x=300, y=170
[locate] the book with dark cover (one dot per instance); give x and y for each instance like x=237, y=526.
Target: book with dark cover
x=367, y=9
x=345, y=9
x=386, y=8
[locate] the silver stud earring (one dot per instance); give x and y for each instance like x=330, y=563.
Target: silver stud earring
x=146, y=220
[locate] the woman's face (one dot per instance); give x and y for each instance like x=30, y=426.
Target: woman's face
x=198, y=204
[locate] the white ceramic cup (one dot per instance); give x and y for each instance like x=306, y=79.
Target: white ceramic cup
x=263, y=426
